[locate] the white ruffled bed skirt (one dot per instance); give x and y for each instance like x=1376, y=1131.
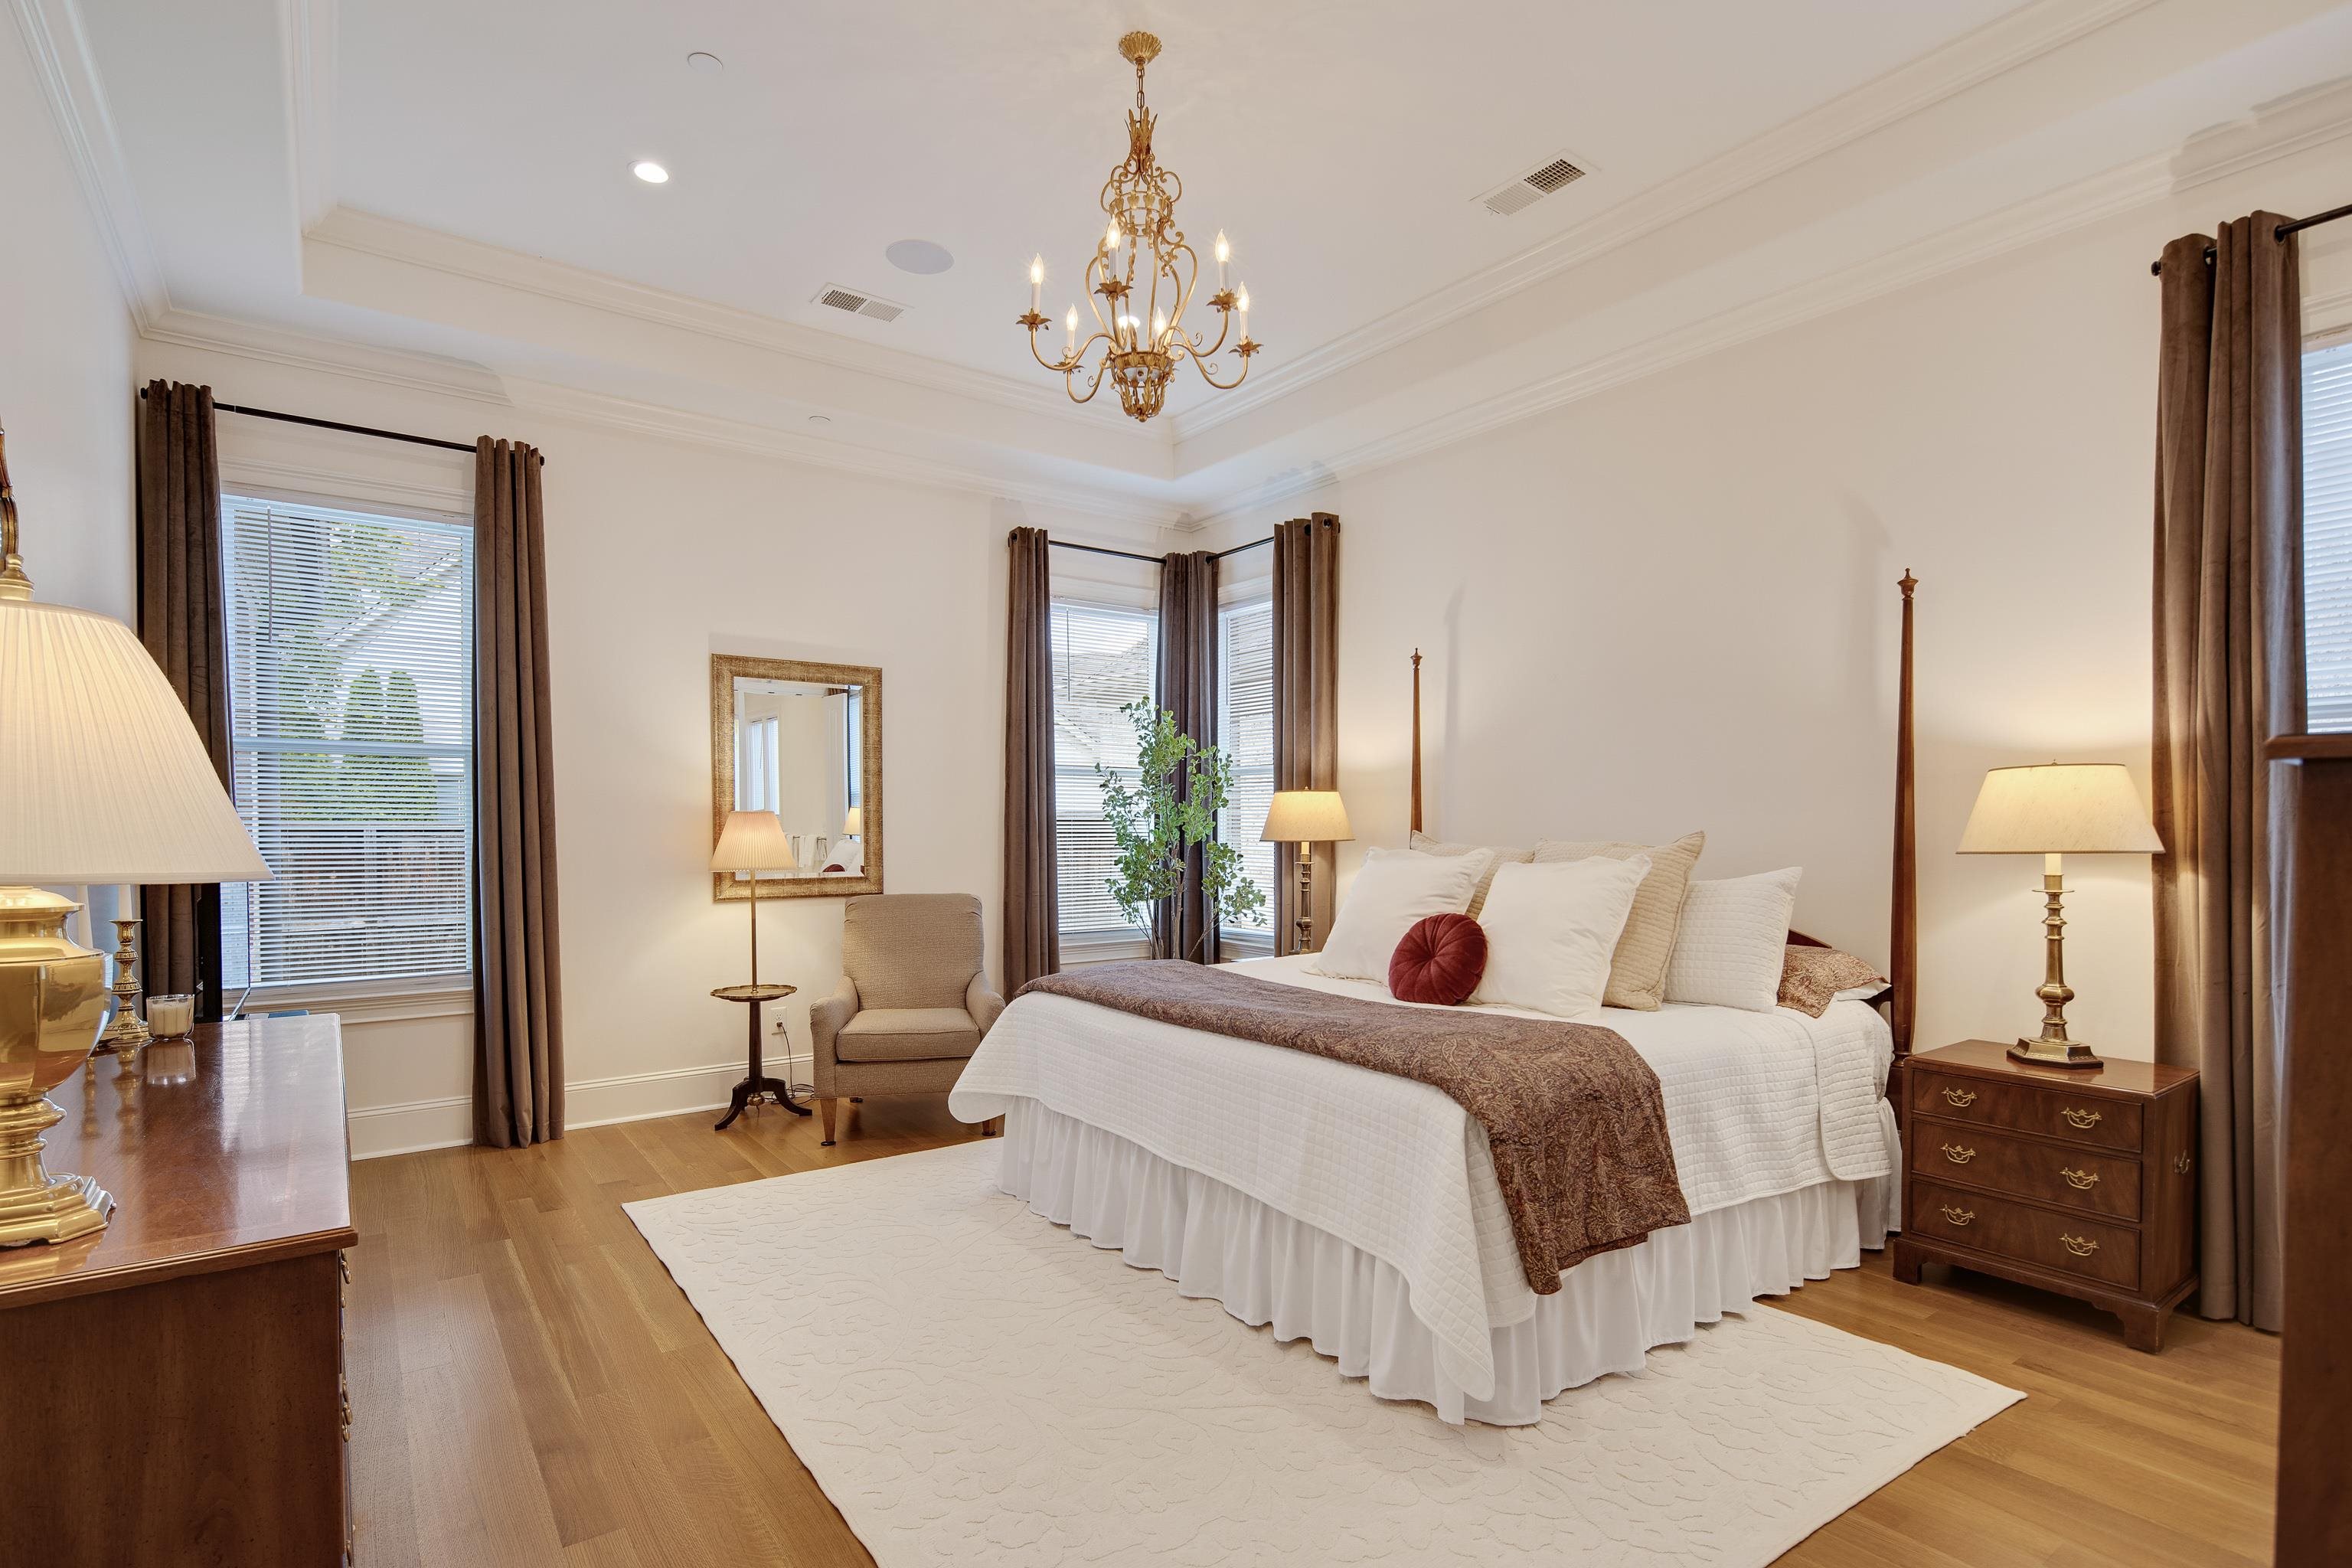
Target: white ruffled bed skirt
x=1266, y=1267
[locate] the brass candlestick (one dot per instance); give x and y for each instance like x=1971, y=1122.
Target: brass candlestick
x=128, y=1031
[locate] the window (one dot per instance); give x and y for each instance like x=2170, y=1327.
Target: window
x=351, y=678
x=756, y=771
x=1104, y=656
x=2327, y=535
x=1246, y=733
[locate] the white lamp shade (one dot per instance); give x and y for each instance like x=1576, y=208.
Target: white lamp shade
x=2060, y=808
x=855, y=823
x=1306, y=816
x=753, y=841
x=102, y=777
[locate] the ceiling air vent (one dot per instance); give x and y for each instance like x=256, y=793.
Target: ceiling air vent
x=858, y=304
x=1553, y=174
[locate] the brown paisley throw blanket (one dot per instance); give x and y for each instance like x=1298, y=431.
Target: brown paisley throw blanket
x=1575, y=1119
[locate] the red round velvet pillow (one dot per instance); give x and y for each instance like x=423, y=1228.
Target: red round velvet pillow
x=1440, y=960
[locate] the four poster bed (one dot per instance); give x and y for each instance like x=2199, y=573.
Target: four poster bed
x=1475, y=1207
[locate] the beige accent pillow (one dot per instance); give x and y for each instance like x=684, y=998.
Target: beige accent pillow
x=1637, y=970
x=1422, y=844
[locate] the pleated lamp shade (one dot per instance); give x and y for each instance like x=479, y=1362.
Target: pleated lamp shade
x=102, y=777
x=753, y=841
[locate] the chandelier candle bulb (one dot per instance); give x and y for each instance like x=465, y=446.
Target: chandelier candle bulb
x=1070, y=326
x=1224, y=254
x=1159, y=327
x=1241, y=305
x=1036, y=281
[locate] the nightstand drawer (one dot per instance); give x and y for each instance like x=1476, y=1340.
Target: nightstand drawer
x=2053, y=1112
x=2021, y=1167
x=2089, y=1248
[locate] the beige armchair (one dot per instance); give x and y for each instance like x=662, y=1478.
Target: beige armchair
x=913, y=1001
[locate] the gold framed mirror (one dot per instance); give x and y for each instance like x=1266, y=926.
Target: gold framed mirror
x=804, y=740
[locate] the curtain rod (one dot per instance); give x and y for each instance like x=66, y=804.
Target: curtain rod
x=220, y=407
x=1152, y=559
x=2155, y=268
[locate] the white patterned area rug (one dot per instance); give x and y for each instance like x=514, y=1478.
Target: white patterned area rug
x=970, y=1383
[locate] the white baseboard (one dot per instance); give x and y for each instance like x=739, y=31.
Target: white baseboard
x=377, y=1130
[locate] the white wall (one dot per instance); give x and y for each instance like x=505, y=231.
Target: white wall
x=1672, y=606
x=659, y=555
x=65, y=363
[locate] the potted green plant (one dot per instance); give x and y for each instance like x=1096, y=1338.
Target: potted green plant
x=1157, y=820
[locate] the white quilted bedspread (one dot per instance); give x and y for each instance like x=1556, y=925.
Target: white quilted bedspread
x=1757, y=1104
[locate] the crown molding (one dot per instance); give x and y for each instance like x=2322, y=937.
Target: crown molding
x=307, y=36
x=59, y=49
x=330, y=356
x=369, y=234
x=2310, y=120
x=1970, y=60
x=580, y=405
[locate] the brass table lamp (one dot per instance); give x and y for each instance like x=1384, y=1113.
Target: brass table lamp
x=2054, y=810
x=102, y=780
x=1307, y=817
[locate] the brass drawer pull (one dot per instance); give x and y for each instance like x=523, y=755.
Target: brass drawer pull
x=2180, y=1166
x=2082, y=1180
x=343, y=1397
x=1957, y=1216
x=2081, y=1247
x=1958, y=1155
x=2084, y=1119
x=1960, y=1096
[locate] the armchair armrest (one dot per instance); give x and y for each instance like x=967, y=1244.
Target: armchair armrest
x=981, y=1003
x=827, y=1017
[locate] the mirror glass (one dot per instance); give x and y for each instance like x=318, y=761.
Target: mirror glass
x=802, y=741
x=796, y=745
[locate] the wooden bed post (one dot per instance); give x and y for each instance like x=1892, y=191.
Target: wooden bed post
x=1416, y=740
x=1903, y=936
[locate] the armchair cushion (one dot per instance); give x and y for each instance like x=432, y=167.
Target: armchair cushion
x=906, y=1035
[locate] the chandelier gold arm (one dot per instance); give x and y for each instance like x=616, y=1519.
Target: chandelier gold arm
x=1069, y=380
x=1244, y=348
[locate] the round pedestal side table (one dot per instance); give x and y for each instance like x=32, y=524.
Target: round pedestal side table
x=756, y=1082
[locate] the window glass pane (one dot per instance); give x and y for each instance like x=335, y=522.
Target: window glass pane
x=1103, y=657
x=351, y=654
x=2327, y=535
x=1246, y=733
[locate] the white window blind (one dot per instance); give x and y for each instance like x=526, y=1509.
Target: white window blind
x=2327, y=535
x=1245, y=735
x=1103, y=657
x=350, y=655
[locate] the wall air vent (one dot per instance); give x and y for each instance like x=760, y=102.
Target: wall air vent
x=858, y=304
x=1552, y=174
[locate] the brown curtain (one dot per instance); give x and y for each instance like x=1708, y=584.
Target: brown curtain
x=1184, y=927
x=1032, y=933
x=518, y=976
x=181, y=621
x=2228, y=675
x=1306, y=704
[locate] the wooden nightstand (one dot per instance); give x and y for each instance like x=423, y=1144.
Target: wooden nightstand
x=2078, y=1181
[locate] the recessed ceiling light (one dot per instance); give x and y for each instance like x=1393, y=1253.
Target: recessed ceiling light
x=651, y=172
x=919, y=256
x=706, y=62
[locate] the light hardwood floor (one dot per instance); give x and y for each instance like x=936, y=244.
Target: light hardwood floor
x=528, y=1388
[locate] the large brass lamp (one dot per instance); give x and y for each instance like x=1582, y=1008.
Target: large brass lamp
x=102, y=780
x=2052, y=811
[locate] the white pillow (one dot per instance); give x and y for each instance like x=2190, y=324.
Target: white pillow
x=1395, y=888
x=1733, y=940
x=1550, y=929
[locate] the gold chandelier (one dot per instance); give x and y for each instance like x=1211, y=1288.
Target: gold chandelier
x=1142, y=333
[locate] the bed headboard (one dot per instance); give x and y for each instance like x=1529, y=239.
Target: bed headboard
x=1903, y=924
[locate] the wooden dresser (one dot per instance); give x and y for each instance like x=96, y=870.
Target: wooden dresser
x=173, y=1387
x=2082, y=1182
